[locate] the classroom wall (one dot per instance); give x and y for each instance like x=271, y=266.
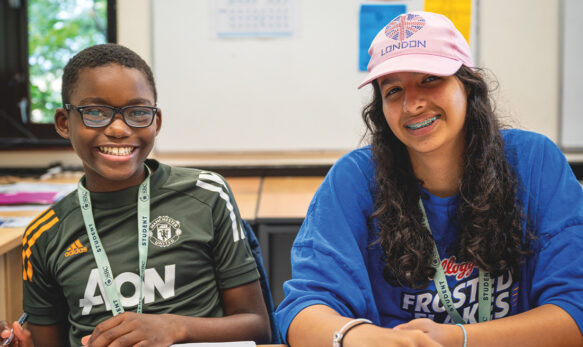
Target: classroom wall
x=298, y=93
x=134, y=19
x=510, y=37
x=519, y=43
x=258, y=94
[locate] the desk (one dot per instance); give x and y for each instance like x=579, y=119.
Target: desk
x=283, y=204
x=10, y=273
x=286, y=197
x=11, y=251
x=246, y=192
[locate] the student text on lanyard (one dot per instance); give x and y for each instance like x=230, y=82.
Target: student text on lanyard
x=484, y=287
x=103, y=266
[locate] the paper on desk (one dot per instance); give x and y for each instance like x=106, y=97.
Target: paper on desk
x=36, y=193
x=19, y=198
x=15, y=222
x=218, y=344
x=39, y=208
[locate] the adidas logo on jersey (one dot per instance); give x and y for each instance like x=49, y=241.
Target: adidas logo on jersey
x=75, y=248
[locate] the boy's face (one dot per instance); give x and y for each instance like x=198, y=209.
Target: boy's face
x=112, y=156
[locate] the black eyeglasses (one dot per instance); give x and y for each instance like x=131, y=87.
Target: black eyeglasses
x=98, y=116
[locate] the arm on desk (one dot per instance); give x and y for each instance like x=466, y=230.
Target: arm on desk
x=245, y=319
x=546, y=325
x=315, y=325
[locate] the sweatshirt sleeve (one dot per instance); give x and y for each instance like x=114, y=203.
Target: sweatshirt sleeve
x=328, y=257
x=555, y=211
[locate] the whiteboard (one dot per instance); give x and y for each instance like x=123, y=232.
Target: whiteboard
x=259, y=94
x=571, y=131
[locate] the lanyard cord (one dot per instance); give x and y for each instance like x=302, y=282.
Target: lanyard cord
x=484, y=287
x=105, y=272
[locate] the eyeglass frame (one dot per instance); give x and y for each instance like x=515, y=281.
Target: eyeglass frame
x=116, y=110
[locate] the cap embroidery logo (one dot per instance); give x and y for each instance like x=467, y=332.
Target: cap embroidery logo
x=404, y=26
x=75, y=248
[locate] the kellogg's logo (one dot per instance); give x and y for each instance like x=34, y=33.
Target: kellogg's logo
x=404, y=26
x=459, y=270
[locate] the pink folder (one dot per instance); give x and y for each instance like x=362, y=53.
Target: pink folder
x=27, y=198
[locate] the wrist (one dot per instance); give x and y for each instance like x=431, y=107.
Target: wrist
x=363, y=335
x=177, y=329
x=339, y=335
x=464, y=336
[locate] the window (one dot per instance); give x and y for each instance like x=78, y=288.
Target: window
x=37, y=38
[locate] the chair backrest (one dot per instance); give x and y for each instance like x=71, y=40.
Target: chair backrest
x=254, y=244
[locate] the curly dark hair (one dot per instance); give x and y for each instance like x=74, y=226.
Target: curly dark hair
x=488, y=215
x=100, y=55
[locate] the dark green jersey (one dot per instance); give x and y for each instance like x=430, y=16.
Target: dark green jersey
x=196, y=248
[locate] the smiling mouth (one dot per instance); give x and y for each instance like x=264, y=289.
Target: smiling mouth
x=120, y=151
x=422, y=124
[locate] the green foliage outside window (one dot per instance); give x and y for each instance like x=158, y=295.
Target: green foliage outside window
x=57, y=30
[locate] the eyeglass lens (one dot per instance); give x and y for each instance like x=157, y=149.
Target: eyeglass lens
x=99, y=116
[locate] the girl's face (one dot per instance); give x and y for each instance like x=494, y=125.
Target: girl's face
x=425, y=112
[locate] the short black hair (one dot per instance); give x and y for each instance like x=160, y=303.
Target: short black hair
x=100, y=55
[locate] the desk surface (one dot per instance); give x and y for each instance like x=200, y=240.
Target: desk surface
x=246, y=192
x=245, y=189
x=287, y=197
x=257, y=197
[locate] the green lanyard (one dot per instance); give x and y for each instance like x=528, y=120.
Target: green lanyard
x=103, y=266
x=484, y=287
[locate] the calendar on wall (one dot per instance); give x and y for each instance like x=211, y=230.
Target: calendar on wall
x=254, y=18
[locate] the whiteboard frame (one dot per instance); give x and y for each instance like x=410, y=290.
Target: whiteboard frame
x=571, y=76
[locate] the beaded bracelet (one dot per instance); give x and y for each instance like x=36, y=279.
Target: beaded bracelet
x=465, y=334
x=339, y=335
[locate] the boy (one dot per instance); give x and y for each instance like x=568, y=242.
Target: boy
x=186, y=255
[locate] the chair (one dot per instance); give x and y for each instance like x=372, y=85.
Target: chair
x=256, y=250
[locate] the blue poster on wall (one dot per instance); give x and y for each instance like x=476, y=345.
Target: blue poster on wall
x=372, y=19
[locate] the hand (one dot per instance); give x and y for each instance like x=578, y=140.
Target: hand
x=371, y=336
x=446, y=334
x=21, y=338
x=130, y=328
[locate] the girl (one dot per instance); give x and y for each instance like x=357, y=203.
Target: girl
x=445, y=229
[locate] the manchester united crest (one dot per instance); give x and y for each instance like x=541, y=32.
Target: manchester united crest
x=164, y=231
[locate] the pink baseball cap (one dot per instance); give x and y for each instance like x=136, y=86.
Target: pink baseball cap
x=418, y=42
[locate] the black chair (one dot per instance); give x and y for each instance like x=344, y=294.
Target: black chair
x=256, y=250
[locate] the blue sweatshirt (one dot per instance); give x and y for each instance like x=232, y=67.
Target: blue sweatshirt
x=335, y=261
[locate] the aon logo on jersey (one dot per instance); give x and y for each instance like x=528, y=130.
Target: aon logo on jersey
x=152, y=282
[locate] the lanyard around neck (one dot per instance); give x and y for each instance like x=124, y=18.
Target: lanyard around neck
x=484, y=287
x=101, y=259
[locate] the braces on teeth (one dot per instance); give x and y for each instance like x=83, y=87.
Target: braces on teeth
x=422, y=124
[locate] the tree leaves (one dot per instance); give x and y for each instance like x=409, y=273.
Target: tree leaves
x=57, y=30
